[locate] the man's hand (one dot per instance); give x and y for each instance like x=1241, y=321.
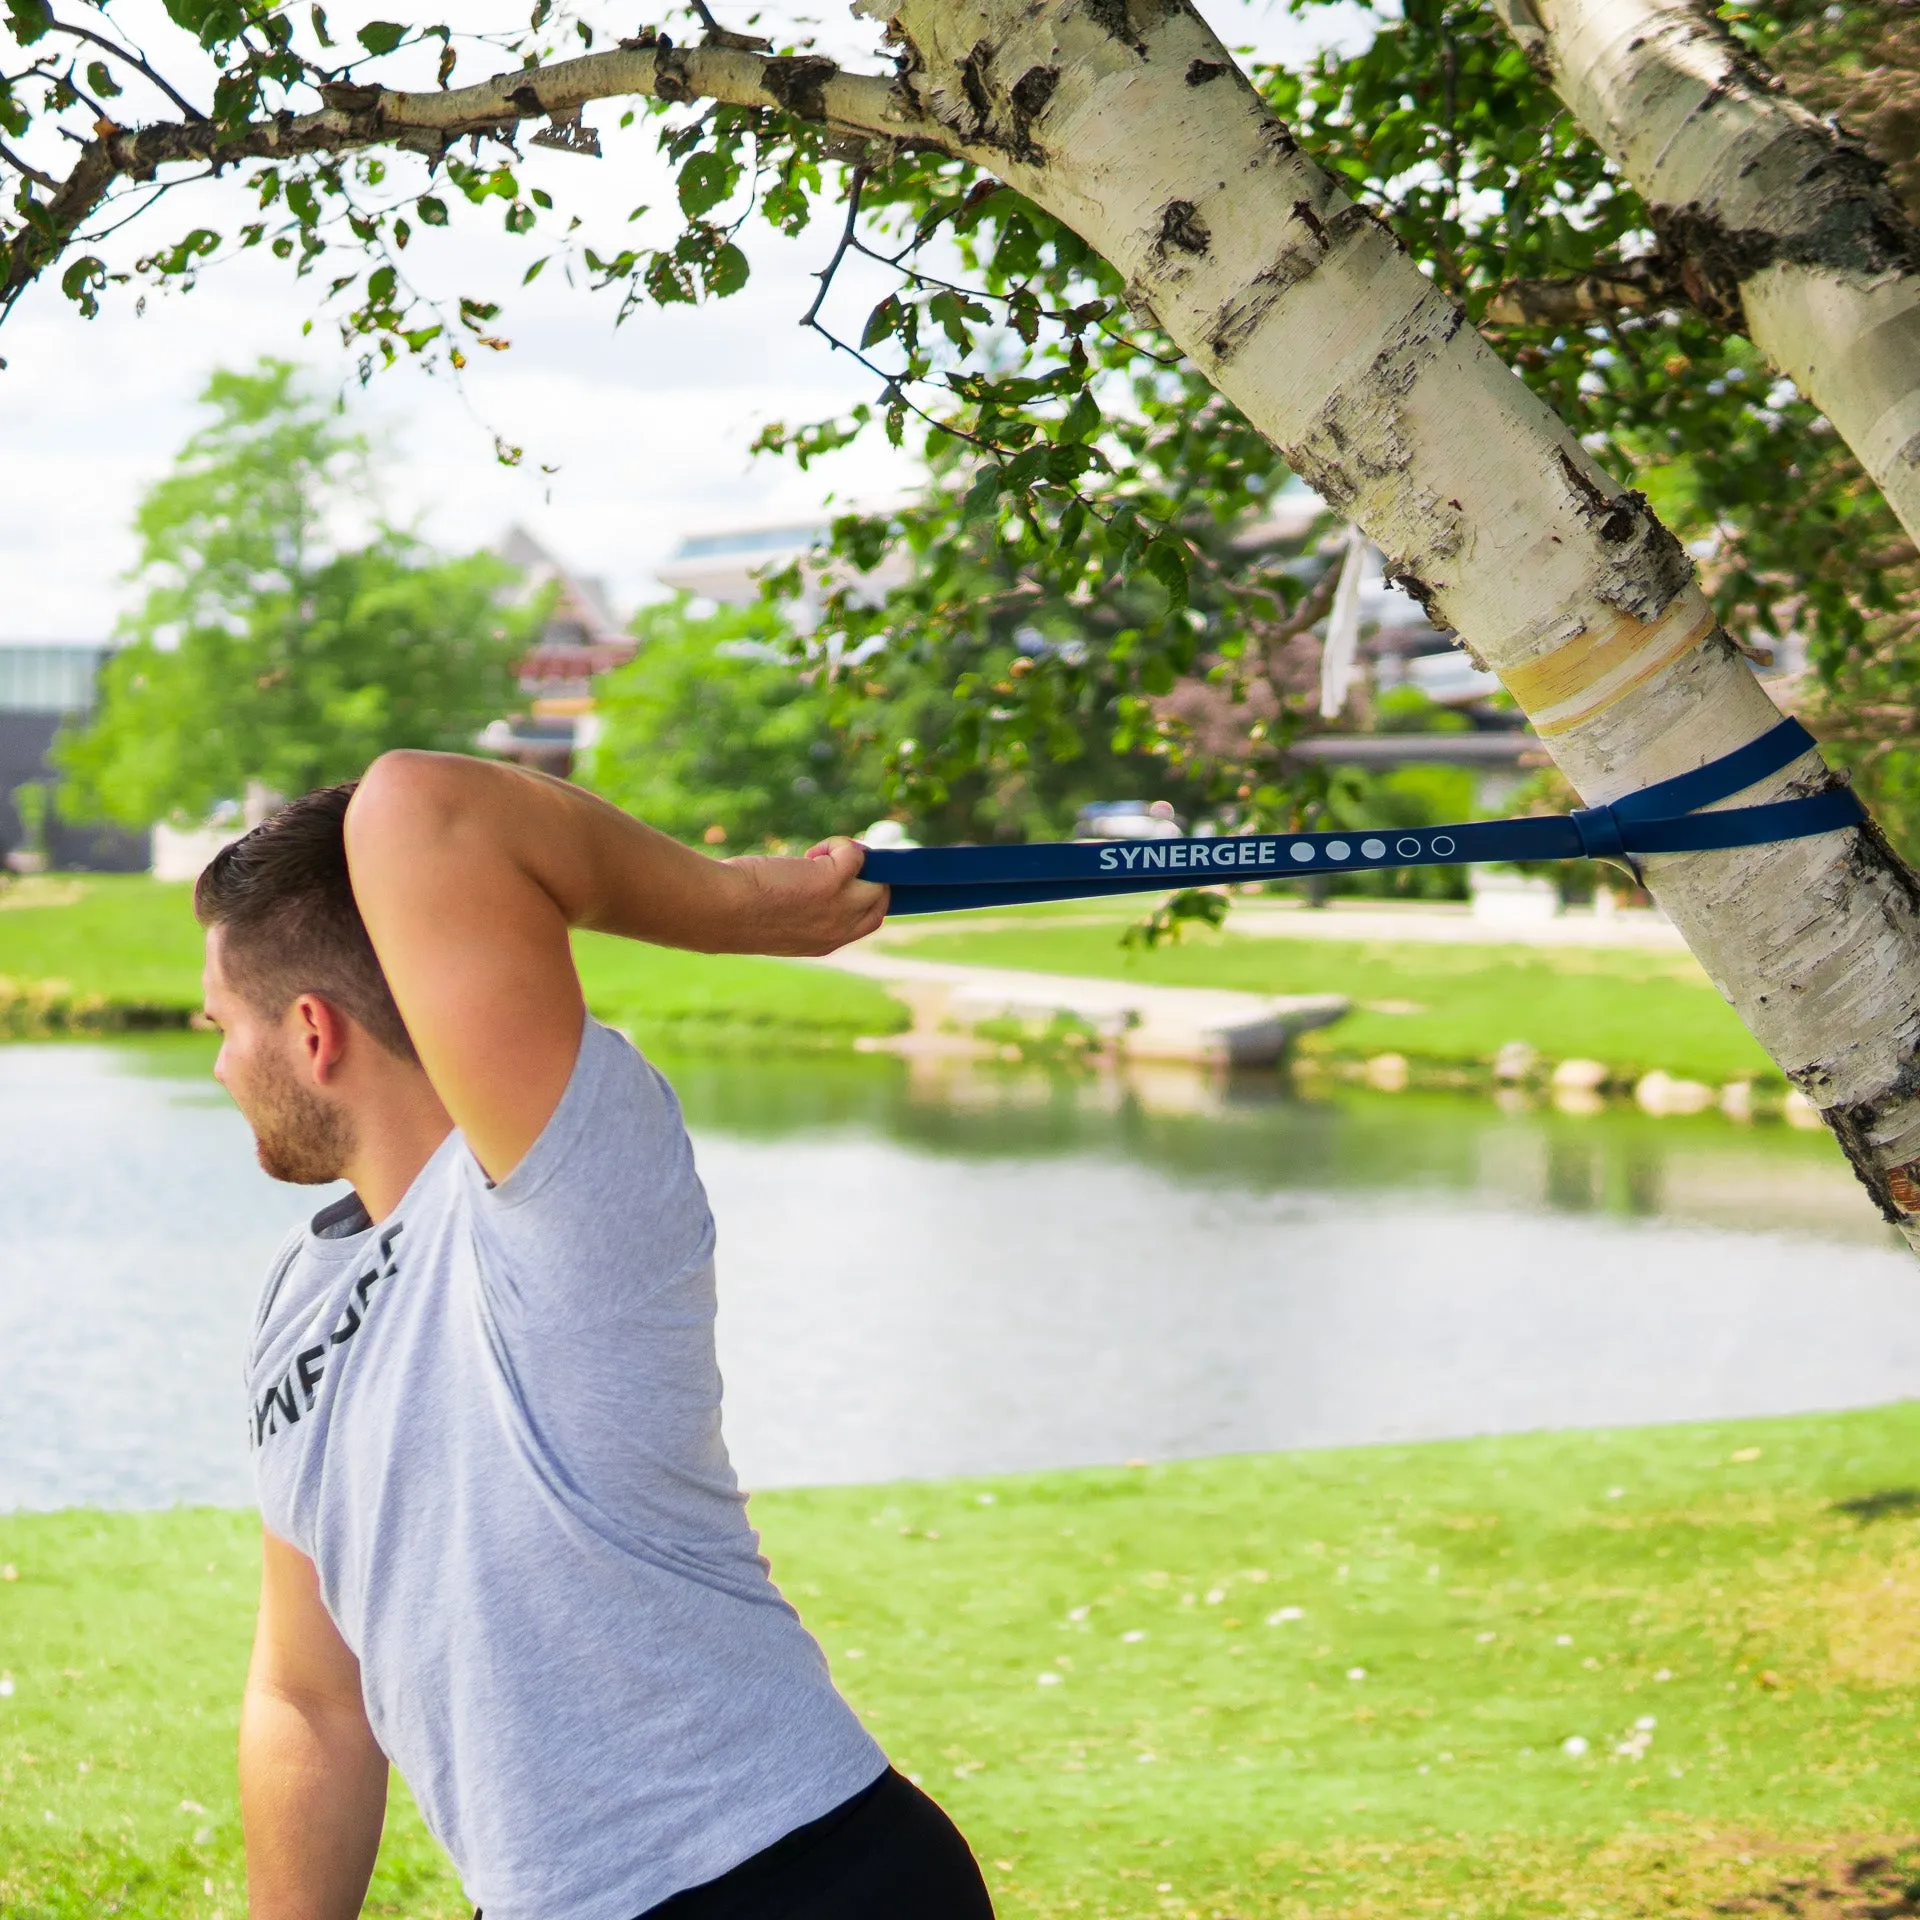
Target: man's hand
x=809, y=906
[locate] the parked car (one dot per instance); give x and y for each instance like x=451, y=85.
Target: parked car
x=1127, y=820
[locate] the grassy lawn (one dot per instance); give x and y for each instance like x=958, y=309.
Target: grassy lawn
x=122, y=937
x=1337, y=1683
x=1445, y=1004
x=132, y=943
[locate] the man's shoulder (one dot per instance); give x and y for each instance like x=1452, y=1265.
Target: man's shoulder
x=274, y=1289
x=329, y=1254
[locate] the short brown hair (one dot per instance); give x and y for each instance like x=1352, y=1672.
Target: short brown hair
x=283, y=896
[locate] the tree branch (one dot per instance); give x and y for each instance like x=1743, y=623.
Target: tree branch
x=133, y=60
x=29, y=172
x=1585, y=300
x=1275, y=638
x=815, y=90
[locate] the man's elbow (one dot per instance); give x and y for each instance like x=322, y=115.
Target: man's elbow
x=413, y=798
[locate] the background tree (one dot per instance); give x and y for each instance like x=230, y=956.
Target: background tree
x=728, y=727
x=715, y=732
x=269, y=646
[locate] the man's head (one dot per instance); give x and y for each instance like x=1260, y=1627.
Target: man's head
x=292, y=981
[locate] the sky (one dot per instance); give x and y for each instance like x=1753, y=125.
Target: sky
x=645, y=427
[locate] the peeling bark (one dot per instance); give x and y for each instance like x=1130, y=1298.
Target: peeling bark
x=1305, y=311
x=1777, y=223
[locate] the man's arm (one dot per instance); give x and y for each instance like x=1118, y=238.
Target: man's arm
x=469, y=875
x=313, y=1784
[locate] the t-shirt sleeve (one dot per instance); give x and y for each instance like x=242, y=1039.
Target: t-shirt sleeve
x=606, y=1207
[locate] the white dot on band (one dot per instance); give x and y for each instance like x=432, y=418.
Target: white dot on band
x=1337, y=849
x=1301, y=851
x=1373, y=849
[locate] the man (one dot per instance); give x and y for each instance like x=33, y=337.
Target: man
x=504, y=1546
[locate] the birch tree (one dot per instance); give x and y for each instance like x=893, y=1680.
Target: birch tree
x=1777, y=221
x=1128, y=128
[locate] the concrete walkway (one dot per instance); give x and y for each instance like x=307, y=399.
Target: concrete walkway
x=1428, y=923
x=1208, y=1025
x=1441, y=924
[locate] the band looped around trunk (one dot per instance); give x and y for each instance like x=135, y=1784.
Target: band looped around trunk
x=1663, y=818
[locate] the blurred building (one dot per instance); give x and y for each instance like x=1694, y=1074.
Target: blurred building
x=579, y=640
x=728, y=564
x=43, y=685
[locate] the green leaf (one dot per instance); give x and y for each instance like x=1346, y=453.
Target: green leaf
x=727, y=271
x=100, y=80
x=28, y=19
x=882, y=321
x=951, y=313
x=82, y=281
x=1167, y=562
x=381, y=36
x=320, y=32
x=706, y=180
x=211, y=22
x=981, y=496
x=1083, y=418
x=432, y=211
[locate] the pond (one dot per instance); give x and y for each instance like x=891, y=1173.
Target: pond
x=936, y=1269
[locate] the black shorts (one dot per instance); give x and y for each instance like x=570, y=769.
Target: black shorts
x=887, y=1853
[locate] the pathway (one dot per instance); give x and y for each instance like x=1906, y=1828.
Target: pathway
x=1206, y=1024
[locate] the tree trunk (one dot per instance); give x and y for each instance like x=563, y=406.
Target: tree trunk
x=1128, y=120
x=1782, y=227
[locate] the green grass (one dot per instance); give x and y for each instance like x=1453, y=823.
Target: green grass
x=119, y=937
x=1751, y=1587
x=131, y=943
x=1631, y=1010
x=729, y=999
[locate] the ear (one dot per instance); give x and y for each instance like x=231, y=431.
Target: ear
x=322, y=1032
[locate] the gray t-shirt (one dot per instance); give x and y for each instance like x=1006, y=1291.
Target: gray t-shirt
x=493, y=1422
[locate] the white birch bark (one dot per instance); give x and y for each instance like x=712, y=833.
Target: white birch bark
x=1128, y=120
x=1790, y=229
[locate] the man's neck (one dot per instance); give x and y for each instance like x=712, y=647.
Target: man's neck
x=393, y=1139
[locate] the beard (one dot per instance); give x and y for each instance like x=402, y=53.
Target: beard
x=297, y=1136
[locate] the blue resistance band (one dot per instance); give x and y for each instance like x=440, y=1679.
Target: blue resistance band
x=1658, y=819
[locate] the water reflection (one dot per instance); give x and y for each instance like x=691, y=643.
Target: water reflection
x=1254, y=1130
x=931, y=1269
